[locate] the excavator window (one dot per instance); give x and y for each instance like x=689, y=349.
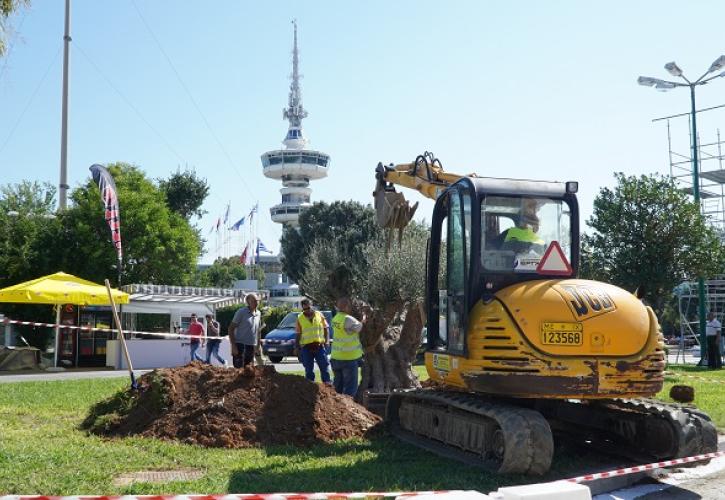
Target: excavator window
x=518, y=230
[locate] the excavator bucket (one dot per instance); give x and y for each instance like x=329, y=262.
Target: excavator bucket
x=393, y=211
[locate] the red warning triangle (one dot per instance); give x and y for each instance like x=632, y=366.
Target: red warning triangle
x=554, y=261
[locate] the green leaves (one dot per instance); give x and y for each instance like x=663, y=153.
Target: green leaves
x=649, y=235
x=348, y=224
x=160, y=246
x=185, y=193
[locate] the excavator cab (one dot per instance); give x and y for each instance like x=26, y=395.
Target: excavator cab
x=488, y=234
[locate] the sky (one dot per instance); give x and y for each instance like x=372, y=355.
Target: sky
x=521, y=89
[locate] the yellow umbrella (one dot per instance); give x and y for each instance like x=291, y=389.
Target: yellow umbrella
x=61, y=288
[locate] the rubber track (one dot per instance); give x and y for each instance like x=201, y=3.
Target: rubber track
x=529, y=444
x=696, y=433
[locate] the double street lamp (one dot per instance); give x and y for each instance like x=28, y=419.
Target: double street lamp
x=664, y=86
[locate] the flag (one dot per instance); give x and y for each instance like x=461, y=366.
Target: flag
x=109, y=196
x=238, y=224
x=252, y=212
x=261, y=247
x=243, y=257
x=226, y=214
x=218, y=222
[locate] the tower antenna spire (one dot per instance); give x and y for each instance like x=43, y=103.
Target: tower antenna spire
x=295, y=112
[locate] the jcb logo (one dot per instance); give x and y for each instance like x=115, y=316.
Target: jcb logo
x=587, y=301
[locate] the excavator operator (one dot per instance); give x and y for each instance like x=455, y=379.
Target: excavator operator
x=523, y=237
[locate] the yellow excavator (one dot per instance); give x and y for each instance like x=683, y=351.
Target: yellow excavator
x=519, y=349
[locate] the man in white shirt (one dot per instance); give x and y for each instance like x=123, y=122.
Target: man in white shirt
x=712, y=331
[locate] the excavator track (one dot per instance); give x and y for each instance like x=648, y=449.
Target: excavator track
x=640, y=429
x=499, y=437
x=505, y=435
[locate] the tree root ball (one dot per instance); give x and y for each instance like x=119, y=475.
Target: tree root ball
x=682, y=393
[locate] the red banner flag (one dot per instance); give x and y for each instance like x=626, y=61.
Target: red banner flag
x=109, y=196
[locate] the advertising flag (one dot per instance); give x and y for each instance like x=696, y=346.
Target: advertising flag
x=109, y=196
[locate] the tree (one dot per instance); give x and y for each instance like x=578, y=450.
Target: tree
x=159, y=245
x=7, y=7
x=649, y=235
x=27, y=229
x=349, y=222
x=389, y=288
x=185, y=193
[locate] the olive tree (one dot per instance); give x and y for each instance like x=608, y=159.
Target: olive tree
x=388, y=288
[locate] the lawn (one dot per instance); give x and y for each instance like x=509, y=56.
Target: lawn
x=42, y=451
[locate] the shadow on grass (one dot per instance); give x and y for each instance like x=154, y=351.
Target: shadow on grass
x=385, y=464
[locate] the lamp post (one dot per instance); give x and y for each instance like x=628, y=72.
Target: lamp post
x=664, y=86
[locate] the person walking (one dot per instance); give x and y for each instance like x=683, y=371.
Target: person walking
x=244, y=333
x=346, y=348
x=196, y=330
x=312, y=340
x=213, y=340
x=712, y=331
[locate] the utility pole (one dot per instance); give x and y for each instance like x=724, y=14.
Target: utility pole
x=63, y=184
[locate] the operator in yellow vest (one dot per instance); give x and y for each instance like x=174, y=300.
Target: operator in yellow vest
x=312, y=339
x=346, y=348
x=523, y=237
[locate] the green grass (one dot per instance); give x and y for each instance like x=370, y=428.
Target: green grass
x=43, y=451
x=709, y=389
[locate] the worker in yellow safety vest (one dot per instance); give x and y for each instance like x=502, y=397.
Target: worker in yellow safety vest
x=312, y=341
x=346, y=349
x=523, y=237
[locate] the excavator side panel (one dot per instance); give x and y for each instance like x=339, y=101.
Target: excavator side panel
x=502, y=360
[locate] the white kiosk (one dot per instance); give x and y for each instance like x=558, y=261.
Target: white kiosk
x=178, y=303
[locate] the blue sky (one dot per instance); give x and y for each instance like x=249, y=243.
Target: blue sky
x=526, y=89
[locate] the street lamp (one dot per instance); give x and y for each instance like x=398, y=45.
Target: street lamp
x=664, y=85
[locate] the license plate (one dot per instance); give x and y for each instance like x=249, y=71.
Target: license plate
x=562, y=334
x=272, y=349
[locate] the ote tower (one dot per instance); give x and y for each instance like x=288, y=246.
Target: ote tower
x=295, y=166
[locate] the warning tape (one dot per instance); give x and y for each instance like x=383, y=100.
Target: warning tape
x=94, y=329
x=676, y=374
x=641, y=468
x=252, y=496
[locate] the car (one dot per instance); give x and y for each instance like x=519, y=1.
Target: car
x=280, y=342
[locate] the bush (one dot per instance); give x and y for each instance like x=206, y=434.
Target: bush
x=271, y=316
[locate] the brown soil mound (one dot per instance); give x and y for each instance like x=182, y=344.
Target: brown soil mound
x=213, y=406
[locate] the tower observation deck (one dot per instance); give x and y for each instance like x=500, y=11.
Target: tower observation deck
x=295, y=166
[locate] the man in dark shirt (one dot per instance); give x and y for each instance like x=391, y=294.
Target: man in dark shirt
x=213, y=340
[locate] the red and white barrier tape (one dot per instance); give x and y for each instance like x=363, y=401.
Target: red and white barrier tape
x=93, y=329
x=642, y=468
x=695, y=377
x=250, y=496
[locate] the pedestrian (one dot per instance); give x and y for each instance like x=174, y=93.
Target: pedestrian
x=346, y=348
x=244, y=333
x=196, y=330
x=213, y=340
x=312, y=340
x=712, y=331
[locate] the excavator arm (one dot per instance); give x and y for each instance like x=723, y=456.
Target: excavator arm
x=425, y=175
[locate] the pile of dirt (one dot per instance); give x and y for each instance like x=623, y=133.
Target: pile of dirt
x=217, y=407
